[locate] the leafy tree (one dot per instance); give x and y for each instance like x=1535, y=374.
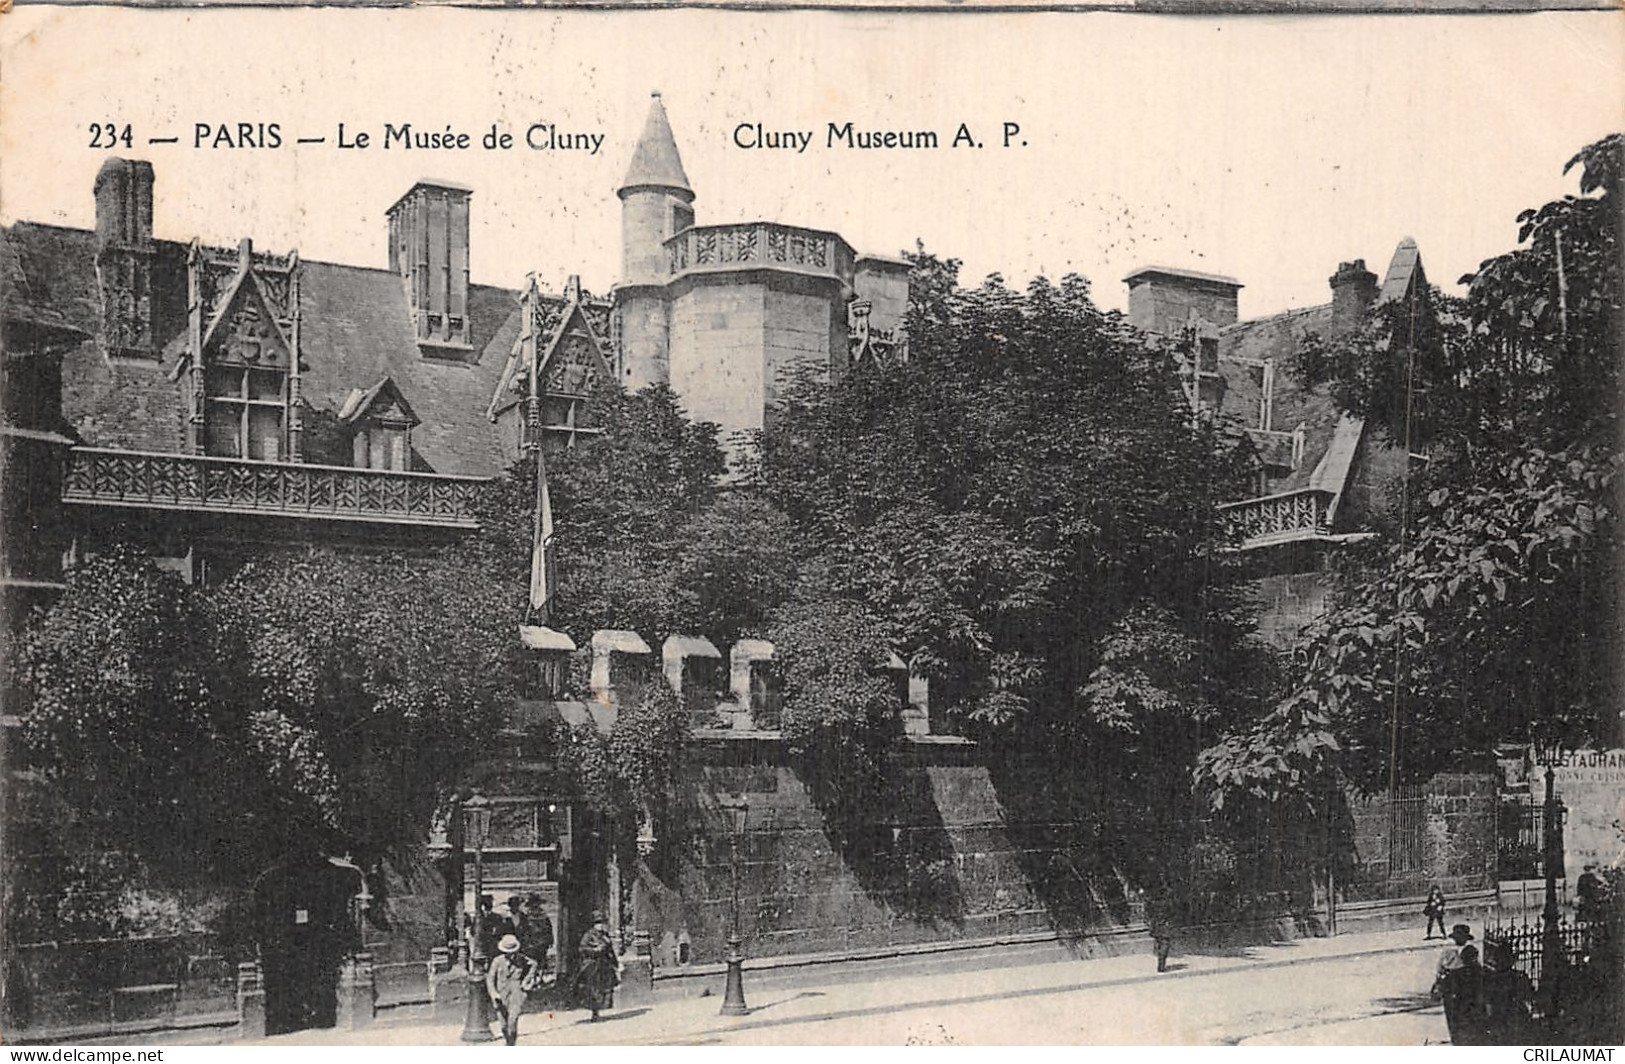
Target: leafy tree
x=1026, y=510
x=1040, y=456
x=372, y=682
x=839, y=714
x=646, y=540
x=123, y=711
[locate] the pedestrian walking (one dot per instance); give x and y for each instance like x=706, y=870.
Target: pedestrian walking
x=1457, y=984
x=1159, y=918
x=489, y=926
x=1589, y=906
x=515, y=923
x=538, y=942
x=600, y=969
x=1434, y=911
x=506, y=982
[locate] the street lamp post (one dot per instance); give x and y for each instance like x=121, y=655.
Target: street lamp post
x=733, y=1001
x=1554, y=958
x=477, y=1021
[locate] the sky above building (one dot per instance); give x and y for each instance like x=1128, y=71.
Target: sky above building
x=1265, y=148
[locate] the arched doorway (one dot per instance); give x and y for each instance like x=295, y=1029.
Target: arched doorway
x=305, y=926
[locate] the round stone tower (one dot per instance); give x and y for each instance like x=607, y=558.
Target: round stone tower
x=656, y=204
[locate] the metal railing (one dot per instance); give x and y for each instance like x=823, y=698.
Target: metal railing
x=1580, y=941
x=105, y=477
x=1520, y=839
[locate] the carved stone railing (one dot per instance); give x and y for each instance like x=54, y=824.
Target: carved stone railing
x=763, y=244
x=280, y=489
x=1280, y=518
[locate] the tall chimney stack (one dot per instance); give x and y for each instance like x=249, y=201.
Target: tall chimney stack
x=428, y=247
x=124, y=256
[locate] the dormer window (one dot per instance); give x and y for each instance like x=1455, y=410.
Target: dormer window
x=241, y=363
x=246, y=412
x=381, y=424
x=383, y=446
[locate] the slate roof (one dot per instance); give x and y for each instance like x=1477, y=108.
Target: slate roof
x=1276, y=337
x=1404, y=270
x=1330, y=438
x=356, y=329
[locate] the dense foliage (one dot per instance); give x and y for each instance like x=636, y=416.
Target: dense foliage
x=313, y=699
x=1025, y=510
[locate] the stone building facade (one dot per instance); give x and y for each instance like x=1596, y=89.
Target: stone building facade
x=1320, y=472
x=726, y=313
x=209, y=404
x=212, y=403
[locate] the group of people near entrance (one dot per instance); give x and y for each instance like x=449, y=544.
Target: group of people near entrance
x=1486, y=999
x=520, y=968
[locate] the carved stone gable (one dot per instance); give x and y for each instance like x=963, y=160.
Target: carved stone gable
x=575, y=367
x=247, y=334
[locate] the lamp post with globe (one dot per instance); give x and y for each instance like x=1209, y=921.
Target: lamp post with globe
x=477, y=1022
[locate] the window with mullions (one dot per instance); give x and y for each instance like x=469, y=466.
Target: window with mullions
x=383, y=446
x=247, y=409
x=564, y=418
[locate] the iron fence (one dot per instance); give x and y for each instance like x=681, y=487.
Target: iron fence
x=1520, y=826
x=1527, y=942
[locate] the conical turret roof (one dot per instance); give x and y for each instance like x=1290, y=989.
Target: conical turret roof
x=655, y=161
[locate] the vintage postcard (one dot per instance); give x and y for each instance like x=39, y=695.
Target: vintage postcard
x=810, y=527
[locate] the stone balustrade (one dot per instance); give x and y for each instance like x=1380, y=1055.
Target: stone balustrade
x=1270, y=519
x=768, y=245
x=194, y=482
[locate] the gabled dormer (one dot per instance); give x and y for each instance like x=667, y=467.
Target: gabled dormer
x=381, y=422
x=241, y=361
x=557, y=366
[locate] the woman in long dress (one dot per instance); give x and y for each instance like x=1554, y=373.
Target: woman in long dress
x=600, y=967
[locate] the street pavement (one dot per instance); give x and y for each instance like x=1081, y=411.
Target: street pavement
x=1368, y=989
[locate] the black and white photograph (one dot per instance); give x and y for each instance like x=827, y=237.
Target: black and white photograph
x=693, y=527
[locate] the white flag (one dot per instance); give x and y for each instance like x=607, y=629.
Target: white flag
x=543, y=582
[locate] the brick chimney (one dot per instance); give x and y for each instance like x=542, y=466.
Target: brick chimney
x=428, y=247
x=124, y=256
x=1354, y=289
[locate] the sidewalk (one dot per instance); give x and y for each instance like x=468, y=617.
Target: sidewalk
x=695, y=1020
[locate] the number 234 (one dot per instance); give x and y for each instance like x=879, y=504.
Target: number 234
x=109, y=135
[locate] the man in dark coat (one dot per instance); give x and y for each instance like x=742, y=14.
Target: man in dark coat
x=600, y=968
x=1504, y=999
x=538, y=938
x=490, y=926
x=1161, y=914
x=1458, y=984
